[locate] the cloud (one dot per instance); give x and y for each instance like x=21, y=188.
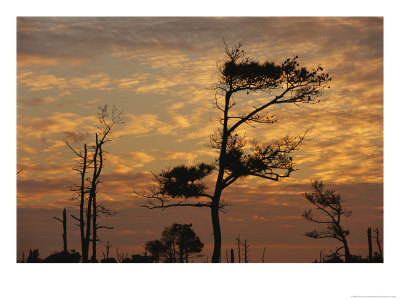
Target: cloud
x=127, y=163
x=139, y=125
x=39, y=101
x=29, y=60
x=57, y=122
x=141, y=157
x=88, y=38
x=40, y=82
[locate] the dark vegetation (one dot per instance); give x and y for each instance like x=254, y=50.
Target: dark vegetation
x=183, y=186
x=178, y=242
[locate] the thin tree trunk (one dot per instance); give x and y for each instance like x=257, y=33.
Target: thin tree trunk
x=378, y=242
x=238, y=243
x=96, y=173
x=94, y=219
x=85, y=252
x=65, y=230
x=263, y=255
x=232, y=256
x=245, y=251
x=88, y=224
x=369, y=244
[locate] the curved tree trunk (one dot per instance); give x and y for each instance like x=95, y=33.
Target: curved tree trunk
x=219, y=186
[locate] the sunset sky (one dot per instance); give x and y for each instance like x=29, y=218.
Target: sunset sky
x=161, y=73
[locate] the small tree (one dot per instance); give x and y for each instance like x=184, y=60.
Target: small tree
x=178, y=242
x=106, y=257
x=331, y=205
x=91, y=158
x=283, y=83
x=188, y=242
x=156, y=249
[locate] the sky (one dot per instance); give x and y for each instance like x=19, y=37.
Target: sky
x=161, y=73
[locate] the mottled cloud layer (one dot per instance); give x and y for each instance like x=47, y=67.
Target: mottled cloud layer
x=161, y=73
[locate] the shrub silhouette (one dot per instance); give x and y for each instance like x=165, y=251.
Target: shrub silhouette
x=63, y=257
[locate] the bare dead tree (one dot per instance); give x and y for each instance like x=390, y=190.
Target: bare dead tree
x=108, y=247
x=243, y=248
x=331, y=205
x=82, y=191
x=239, y=243
x=239, y=75
x=64, y=234
x=91, y=159
x=263, y=255
x=246, y=247
x=369, y=231
x=378, y=241
x=121, y=256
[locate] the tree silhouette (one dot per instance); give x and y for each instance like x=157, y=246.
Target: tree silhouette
x=106, y=257
x=378, y=242
x=263, y=255
x=64, y=235
x=239, y=75
x=243, y=248
x=178, y=241
x=91, y=158
x=331, y=205
x=188, y=242
x=369, y=244
x=156, y=249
